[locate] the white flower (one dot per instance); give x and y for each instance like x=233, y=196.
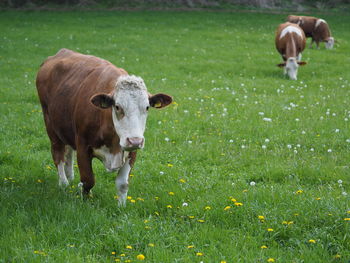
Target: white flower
x=242, y=146
x=159, y=122
x=231, y=141
x=185, y=204
x=167, y=139
x=297, y=119
x=348, y=140
x=261, y=113
x=303, y=132
x=344, y=193
x=189, y=142
x=252, y=183
x=340, y=181
x=161, y=173
x=312, y=149
x=289, y=146
x=295, y=151
x=263, y=146
x=337, y=130
x=329, y=150
x=267, y=119
x=267, y=140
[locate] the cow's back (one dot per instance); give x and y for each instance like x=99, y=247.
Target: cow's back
x=65, y=84
x=283, y=40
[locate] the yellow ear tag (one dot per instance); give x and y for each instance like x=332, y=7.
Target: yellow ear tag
x=158, y=105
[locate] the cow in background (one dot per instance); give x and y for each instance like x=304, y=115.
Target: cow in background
x=314, y=27
x=290, y=42
x=96, y=109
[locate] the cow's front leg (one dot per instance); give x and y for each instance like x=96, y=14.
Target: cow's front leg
x=122, y=180
x=68, y=166
x=84, y=158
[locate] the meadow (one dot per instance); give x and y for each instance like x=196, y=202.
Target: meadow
x=244, y=166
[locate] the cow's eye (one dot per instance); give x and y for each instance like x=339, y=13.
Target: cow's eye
x=117, y=108
x=147, y=108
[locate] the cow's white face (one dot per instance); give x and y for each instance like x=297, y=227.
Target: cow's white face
x=330, y=43
x=129, y=111
x=292, y=68
x=130, y=103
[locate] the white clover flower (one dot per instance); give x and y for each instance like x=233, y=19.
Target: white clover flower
x=166, y=139
x=329, y=150
x=261, y=113
x=312, y=149
x=295, y=151
x=289, y=146
x=267, y=119
x=340, y=181
x=185, y=204
x=263, y=146
x=337, y=130
x=303, y=132
x=344, y=193
x=267, y=140
x=161, y=173
x=231, y=141
x=297, y=119
x=252, y=183
x=243, y=146
x=348, y=140
x=189, y=142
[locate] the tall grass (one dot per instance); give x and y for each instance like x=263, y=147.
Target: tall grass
x=245, y=166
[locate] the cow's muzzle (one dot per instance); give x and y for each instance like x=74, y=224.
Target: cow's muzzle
x=134, y=143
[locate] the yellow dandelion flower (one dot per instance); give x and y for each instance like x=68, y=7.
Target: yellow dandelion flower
x=263, y=247
x=190, y=246
x=238, y=204
x=227, y=208
x=318, y=198
x=312, y=241
x=117, y=260
x=127, y=261
x=200, y=220
x=113, y=252
x=270, y=230
x=199, y=254
x=233, y=200
x=157, y=213
x=140, y=199
x=39, y=181
x=347, y=219
x=182, y=181
x=245, y=190
x=122, y=255
x=170, y=165
x=190, y=217
x=271, y=260
x=223, y=261
x=284, y=223
x=337, y=256
x=348, y=212
x=261, y=217
x=171, y=193
x=299, y=192
x=131, y=175
x=128, y=247
x=169, y=206
x=290, y=222
x=129, y=197
x=151, y=245
x=133, y=201
x=207, y=207
x=140, y=257
x=157, y=198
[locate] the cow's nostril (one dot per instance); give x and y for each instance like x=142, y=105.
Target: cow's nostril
x=135, y=141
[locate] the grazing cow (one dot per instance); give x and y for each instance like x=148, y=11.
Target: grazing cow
x=290, y=42
x=314, y=27
x=96, y=109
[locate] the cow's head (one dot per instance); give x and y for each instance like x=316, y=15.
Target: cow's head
x=291, y=67
x=329, y=43
x=130, y=102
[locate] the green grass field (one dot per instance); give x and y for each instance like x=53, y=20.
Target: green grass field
x=245, y=166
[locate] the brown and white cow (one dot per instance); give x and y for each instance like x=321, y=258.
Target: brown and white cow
x=314, y=27
x=290, y=42
x=96, y=109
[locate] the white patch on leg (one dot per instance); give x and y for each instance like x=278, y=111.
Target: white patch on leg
x=62, y=179
x=299, y=57
x=69, y=161
x=122, y=182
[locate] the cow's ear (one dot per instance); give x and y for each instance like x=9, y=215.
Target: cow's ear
x=160, y=100
x=103, y=101
x=302, y=63
x=281, y=65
